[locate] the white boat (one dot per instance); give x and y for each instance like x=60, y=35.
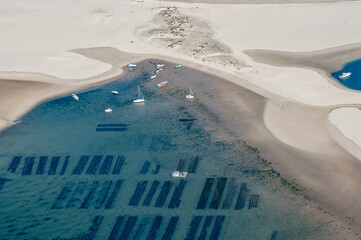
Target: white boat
x=132, y=65
x=140, y=98
x=159, y=66
x=153, y=76
x=190, y=95
x=179, y=174
x=108, y=110
x=158, y=70
x=344, y=75
x=75, y=97
x=115, y=92
x=162, y=84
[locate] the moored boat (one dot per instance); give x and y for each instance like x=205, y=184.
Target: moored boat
x=162, y=84
x=108, y=110
x=159, y=66
x=190, y=95
x=179, y=174
x=75, y=97
x=344, y=75
x=132, y=65
x=115, y=92
x=178, y=66
x=158, y=70
x=139, y=98
x=153, y=76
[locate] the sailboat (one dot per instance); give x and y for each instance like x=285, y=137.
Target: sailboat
x=190, y=95
x=140, y=98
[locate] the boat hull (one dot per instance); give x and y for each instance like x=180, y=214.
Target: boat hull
x=344, y=75
x=162, y=84
x=75, y=97
x=138, y=100
x=177, y=174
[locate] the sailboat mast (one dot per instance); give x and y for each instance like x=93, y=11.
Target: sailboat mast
x=140, y=94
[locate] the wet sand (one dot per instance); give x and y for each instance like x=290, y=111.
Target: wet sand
x=313, y=162
x=328, y=60
x=333, y=182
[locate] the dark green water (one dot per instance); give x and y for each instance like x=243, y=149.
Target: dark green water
x=32, y=206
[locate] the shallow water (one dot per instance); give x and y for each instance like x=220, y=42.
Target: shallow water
x=354, y=80
x=152, y=135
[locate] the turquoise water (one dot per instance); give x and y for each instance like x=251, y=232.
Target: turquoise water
x=152, y=137
x=354, y=80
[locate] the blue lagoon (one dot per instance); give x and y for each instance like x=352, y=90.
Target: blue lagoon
x=350, y=75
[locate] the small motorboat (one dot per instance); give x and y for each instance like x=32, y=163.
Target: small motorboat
x=179, y=174
x=132, y=65
x=178, y=66
x=190, y=95
x=162, y=84
x=115, y=92
x=108, y=110
x=153, y=76
x=75, y=97
x=159, y=66
x=158, y=70
x=344, y=75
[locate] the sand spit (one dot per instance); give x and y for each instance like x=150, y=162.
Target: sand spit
x=322, y=61
x=308, y=129
x=328, y=60
x=297, y=140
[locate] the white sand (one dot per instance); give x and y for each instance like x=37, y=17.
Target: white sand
x=292, y=27
x=348, y=121
x=36, y=38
